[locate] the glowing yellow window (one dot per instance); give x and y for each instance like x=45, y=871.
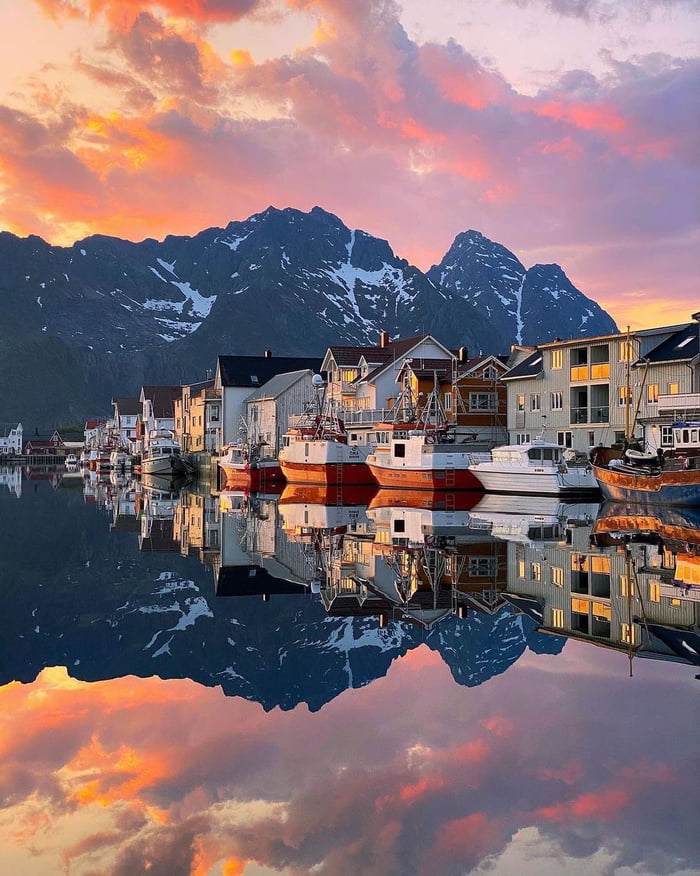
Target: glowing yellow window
x=600, y=564
x=601, y=610
x=626, y=586
x=579, y=372
x=579, y=562
x=600, y=371
x=557, y=576
x=628, y=633
x=654, y=591
x=558, y=617
x=579, y=605
x=521, y=568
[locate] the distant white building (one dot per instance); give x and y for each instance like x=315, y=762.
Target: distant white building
x=11, y=440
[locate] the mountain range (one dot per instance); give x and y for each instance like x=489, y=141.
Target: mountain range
x=103, y=316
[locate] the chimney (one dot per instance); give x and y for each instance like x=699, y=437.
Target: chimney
x=383, y=339
x=268, y=354
x=463, y=354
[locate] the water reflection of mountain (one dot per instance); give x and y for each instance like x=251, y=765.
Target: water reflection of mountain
x=80, y=594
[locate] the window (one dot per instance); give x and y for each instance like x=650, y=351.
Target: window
x=557, y=574
x=535, y=401
x=521, y=568
x=673, y=389
x=591, y=439
x=558, y=617
x=214, y=416
x=579, y=364
x=399, y=526
x=557, y=358
x=627, y=633
x=624, y=395
x=490, y=373
x=522, y=438
x=626, y=586
x=400, y=450
x=521, y=403
x=536, y=571
x=565, y=439
x=667, y=436
x=600, y=362
x=626, y=351
x=653, y=393
x=579, y=605
x=484, y=401
x=556, y=401
x=654, y=591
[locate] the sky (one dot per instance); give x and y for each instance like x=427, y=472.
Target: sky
x=566, y=130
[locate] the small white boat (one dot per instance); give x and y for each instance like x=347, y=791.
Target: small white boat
x=540, y=468
x=164, y=457
x=71, y=461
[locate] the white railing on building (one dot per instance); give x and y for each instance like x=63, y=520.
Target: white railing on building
x=680, y=401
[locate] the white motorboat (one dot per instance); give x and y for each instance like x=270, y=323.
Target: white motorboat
x=163, y=456
x=539, y=467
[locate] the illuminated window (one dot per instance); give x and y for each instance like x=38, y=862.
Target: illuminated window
x=557, y=576
x=653, y=393
x=557, y=358
x=626, y=351
x=521, y=568
x=673, y=389
x=536, y=570
x=626, y=586
x=628, y=633
x=654, y=591
x=558, y=617
x=521, y=403
x=601, y=610
x=579, y=605
x=624, y=395
x=600, y=564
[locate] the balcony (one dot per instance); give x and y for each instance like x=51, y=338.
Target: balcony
x=579, y=372
x=680, y=401
x=579, y=415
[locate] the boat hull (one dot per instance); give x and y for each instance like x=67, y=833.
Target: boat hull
x=535, y=483
x=335, y=473
x=665, y=488
x=425, y=478
x=163, y=465
x=253, y=478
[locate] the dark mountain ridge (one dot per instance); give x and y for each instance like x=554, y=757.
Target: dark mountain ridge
x=99, y=318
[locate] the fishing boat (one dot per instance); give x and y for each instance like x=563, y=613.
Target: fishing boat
x=119, y=460
x=422, y=455
x=667, y=477
x=245, y=466
x=538, y=468
x=163, y=456
x=316, y=449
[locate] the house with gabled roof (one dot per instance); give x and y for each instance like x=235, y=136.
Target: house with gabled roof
x=363, y=379
x=268, y=410
x=126, y=413
x=157, y=412
x=581, y=391
x=11, y=439
x=239, y=376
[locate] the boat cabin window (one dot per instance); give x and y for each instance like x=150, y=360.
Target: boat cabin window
x=543, y=454
x=285, y=440
x=399, y=450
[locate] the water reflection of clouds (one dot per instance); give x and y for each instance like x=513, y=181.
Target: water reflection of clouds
x=411, y=774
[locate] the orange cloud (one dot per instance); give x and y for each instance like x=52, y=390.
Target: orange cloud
x=588, y=117
x=121, y=14
x=594, y=806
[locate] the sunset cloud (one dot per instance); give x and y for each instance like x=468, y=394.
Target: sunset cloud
x=367, y=122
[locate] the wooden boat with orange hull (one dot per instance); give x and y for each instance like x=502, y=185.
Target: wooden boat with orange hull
x=437, y=500
x=664, y=521
x=668, y=478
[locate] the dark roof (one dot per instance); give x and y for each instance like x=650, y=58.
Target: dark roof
x=427, y=367
x=252, y=580
x=254, y=371
x=530, y=367
x=683, y=344
x=162, y=398
x=391, y=350
x=127, y=407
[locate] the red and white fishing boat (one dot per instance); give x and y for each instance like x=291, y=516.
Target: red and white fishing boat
x=316, y=449
x=423, y=454
x=245, y=467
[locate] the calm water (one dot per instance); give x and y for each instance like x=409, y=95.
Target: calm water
x=354, y=684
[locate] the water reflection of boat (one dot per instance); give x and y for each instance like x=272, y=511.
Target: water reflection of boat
x=664, y=521
x=307, y=507
x=533, y=519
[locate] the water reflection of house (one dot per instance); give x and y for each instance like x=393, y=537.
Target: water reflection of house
x=608, y=594
x=255, y=557
x=196, y=526
x=11, y=477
